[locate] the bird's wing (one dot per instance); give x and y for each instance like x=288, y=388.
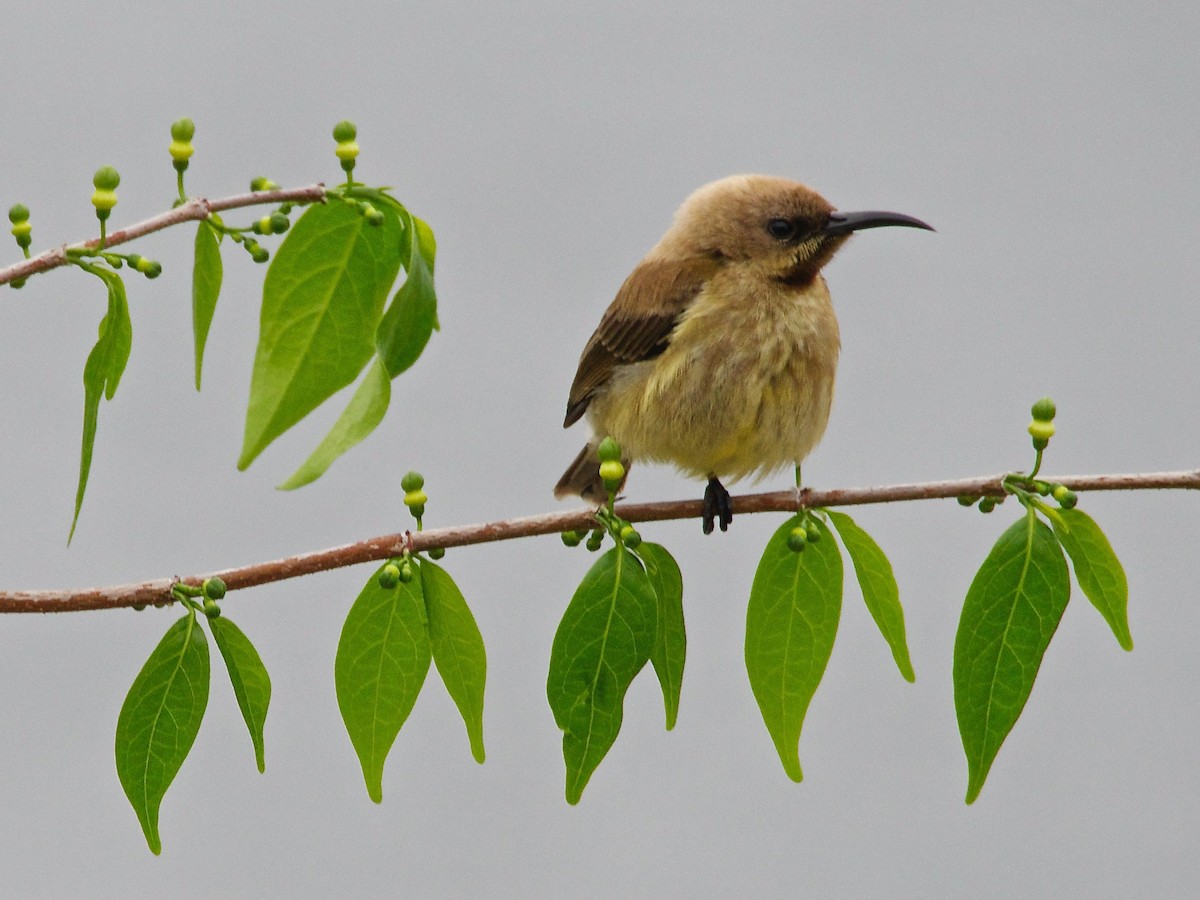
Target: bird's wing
x=637, y=325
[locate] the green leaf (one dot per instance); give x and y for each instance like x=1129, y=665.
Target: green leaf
x=322, y=300
x=207, y=273
x=102, y=371
x=791, y=623
x=160, y=719
x=360, y=417
x=382, y=659
x=670, y=642
x=1097, y=570
x=880, y=592
x=412, y=316
x=251, y=683
x=1011, y=611
x=458, y=650
x=604, y=639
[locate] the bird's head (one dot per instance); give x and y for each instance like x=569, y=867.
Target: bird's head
x=783, y=229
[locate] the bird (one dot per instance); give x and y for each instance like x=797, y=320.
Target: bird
x=719, y=351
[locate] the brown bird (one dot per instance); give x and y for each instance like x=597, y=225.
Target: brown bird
x=719, y=352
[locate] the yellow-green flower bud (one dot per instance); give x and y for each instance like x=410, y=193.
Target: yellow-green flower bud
x=279, y=223
x=595, y=539
x=609, y=451
x=389, y=576
x=612, y=473
x=347, y=151
x=181, y=151
x=1066, y=497
x=259, y=253
x=630, y=538
x=406, y=572
x=104, y=201
x=415, y=498
x=1043, y=410
x=262, y=183
x=412, y=481
x=797, y=539
x=262, y=226
x=1041, y=431
x=814, y=532
x=183, y=129
x=211, y=609
x=23, y=232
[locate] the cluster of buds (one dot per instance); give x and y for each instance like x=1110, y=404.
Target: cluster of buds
x=344, y=133
x=104, y=198
x=807, y=532
x=1041, y=429
x=18, y=214
x=181, y=148
x=414, y=497
x=395, y=572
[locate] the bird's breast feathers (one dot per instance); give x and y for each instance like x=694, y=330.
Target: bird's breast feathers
x=744, y=386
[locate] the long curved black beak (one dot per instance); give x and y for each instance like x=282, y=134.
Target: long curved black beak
x=847, y=222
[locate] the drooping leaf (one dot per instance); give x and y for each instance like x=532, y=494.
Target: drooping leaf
x=791, y=623
x=670, y=642
x=322, y=300
x=207, y=273
x=102, y=372
x=1097, y=570
x=248, y=675
x=458, y=650
x=360, y=417
x=604, y=639
x=411, y=318
x=1010, y=614
x=880, y=592
x=159, y=720
x=382, y=659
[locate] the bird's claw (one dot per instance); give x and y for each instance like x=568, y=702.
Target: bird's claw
x=718, y=507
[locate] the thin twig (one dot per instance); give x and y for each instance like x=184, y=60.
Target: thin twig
x=192, y=211
x=158, y=591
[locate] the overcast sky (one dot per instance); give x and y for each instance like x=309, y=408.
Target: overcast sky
x=1053, y=146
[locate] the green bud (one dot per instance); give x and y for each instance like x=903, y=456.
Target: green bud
x=279, y=223
x=412, y=481
x=1066, y=497
x=1041, y=431
x=183, y=129
x=415, y=498
x=813, y=530
x=262, y=226
x=259, y=253
x=181, y=151
x=571, y=538
x=375, y=217
x=213, y=588
x=347, y=152
x=437, y=552
x=406, y=572
x=595, y=539
x=1043, y=410
x=17, y=283
x=987, y=504
x=211, y=609
x=149, y=268
x=612, y=473
x=135, y=260
x=967, y=499
x=797, y=539
x=629, y=537
x=262, y=183
x=23, y=232
x=106, y=179
x=389, y=576
x=609, y=451
x=104, y=201
x=344, y=130
x=17, y=213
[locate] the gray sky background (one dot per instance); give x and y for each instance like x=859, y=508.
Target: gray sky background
x=1053, y=146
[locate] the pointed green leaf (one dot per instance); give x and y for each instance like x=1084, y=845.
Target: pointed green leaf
x=458, y=650
x=322, y=299
x=207, y=273
x=1010, y=613
x=670, y=642
x=382, y=659
x=412, y=316
x=251, y=683
x=102, y=372
x=1097, y=570
x=604, y=639
x=364, y=412
x=160, y=719
x=791, y=623
x=880, y=592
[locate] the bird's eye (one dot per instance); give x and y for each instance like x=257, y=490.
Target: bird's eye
x=781, y=229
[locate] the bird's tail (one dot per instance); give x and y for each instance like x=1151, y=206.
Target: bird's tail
x=582, y=478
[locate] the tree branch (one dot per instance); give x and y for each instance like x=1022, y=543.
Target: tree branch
x=158, y=591
x=193, y=210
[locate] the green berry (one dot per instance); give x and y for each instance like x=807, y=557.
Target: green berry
x=279, y=223
x=106, y=179
x=987, y=504
x=595, y=539
x=213, y=588
x=389, y=576
x=211, y=609
x=183, y=129
x=406, y=572
x=437, y=552
x=629, y=537
x=797, y=539
x=571, y=538
x=18, y=213
x=609, y=451
x=412, y=481
x=1043, y=410
x=344, y=131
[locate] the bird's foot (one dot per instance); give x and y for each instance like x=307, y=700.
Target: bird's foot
x=718, y=507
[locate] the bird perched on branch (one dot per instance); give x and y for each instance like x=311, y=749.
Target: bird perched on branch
x=719, y=352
